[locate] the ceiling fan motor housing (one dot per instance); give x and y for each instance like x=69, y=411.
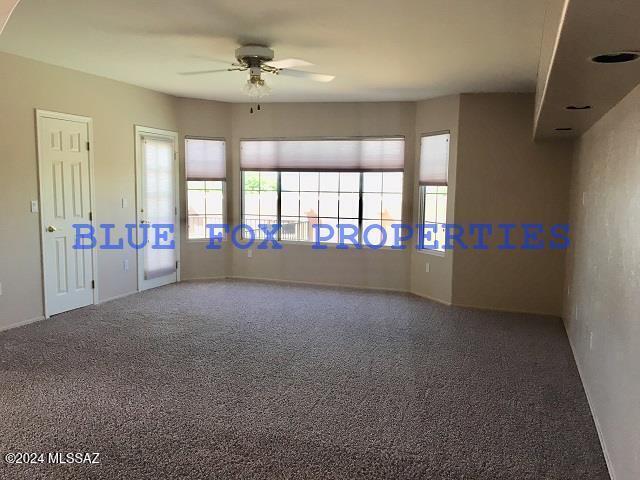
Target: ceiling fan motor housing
x=254, y=55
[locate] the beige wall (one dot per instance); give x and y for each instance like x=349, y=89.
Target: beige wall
x=199, y=118
x=602, y=305
x=503, y=177
x=115, y=108
x=490, y=132
x=379, y=269
x=435, y=115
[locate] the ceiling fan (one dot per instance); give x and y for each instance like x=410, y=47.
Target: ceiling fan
x=258, y=59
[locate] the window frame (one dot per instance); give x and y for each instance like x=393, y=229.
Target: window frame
x=422, y=193
x=360, y=193
x=423, y=197
x=186, y=188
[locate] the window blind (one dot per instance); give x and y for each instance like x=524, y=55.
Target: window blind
x=205, y=159
x=434, y=159
x=158, y=202
x=351, y=155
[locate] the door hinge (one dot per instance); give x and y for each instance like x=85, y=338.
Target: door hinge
x=88, y=146
x=93, y=284
x=176, y=265
x=91, y=216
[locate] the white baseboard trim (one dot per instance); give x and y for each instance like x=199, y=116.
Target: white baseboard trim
x=203, y=279
x=363, y=287
x=317, y=284
x=429, y=297
x=507, y=310
x=116, y=297
x=603, y=443
x=22, y=323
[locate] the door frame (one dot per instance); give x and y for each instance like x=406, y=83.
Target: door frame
x=40, y=115
x=140, y=131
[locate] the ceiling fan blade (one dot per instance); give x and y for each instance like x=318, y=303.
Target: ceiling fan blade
x=317, y=77
x=203, y=72
x=289, y=63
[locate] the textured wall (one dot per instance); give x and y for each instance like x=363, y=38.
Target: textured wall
x=202, y=118
x=602, y=306
x=115, y=108
x=504, y=177
x=435, y=115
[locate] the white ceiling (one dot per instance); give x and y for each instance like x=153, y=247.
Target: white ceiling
x=379, y=50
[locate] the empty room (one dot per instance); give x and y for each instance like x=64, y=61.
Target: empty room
x=288, y=239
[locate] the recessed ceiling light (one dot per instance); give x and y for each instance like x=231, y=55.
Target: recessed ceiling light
x=578, y=107
x=616, y=57
x=564, y=129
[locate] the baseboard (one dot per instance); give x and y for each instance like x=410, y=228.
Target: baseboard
x=365, y=287
x=22, y=323
x=507, y=310
x=317, y=284
x=116, y=297
x=603, y=443
x=203, y=279
x=429, y=297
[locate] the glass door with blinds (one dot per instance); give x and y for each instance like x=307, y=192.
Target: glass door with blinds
x=157, y=207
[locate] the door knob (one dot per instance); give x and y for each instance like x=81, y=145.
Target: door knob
x=51, y=229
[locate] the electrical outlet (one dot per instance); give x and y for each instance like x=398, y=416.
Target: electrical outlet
x=34, y=206
x=0, y=288
x=250, y=253
x=427, y=267
x=125, y=265
x=584, y=198
x=125, y=202
x=590, y=341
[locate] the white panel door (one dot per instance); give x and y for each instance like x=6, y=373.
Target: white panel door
x=65, y=189
x=157, y=197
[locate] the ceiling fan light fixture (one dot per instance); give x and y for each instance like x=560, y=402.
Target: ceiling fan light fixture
x=256, y=87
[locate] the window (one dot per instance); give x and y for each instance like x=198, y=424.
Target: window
x=329, y=198
x=434, y=164
x=205, y=166
x=381, y=204
x=362, y=187
x=260, y=201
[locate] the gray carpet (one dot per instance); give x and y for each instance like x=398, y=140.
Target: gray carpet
x=236, y=379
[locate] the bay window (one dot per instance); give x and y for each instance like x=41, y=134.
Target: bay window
x=301, y=183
